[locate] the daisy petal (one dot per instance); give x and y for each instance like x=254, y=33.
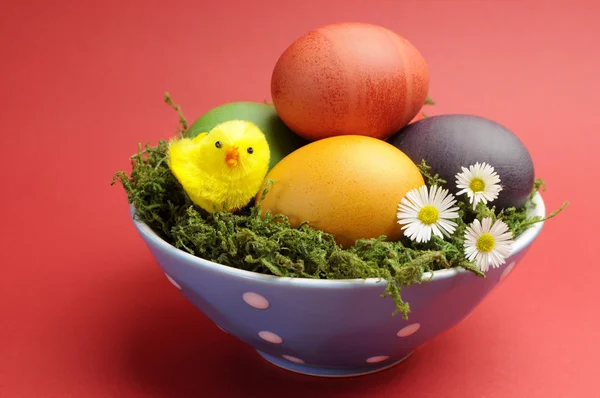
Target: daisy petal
x=486, y=255
x=436, y=220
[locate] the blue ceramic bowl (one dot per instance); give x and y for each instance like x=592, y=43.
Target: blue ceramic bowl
x=328, y=327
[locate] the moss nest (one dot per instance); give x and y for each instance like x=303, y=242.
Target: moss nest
x=269, y=245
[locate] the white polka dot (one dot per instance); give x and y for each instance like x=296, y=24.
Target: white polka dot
x=270, y=337
x=293, y=359
x=378, y=358
x=173, y=282
x=255, y=300
x=408, y=330
x=507, y=270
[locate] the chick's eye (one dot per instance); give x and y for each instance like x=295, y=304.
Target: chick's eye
x=250, y=150
x=218, y=144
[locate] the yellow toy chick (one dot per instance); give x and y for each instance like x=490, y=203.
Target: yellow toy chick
x=224, y=168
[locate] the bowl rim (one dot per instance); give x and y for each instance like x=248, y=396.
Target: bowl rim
x=521, y=243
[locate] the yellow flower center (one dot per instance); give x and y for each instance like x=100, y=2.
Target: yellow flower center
x=428, y=215
x=485, y=243
x=477, y=185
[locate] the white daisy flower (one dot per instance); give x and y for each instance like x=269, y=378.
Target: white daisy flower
x=423, y=212
x=480, y=182
x=488, y=244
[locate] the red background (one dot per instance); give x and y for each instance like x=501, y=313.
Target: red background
x=84, y=309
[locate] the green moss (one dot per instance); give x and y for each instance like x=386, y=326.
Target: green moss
x=269, y=245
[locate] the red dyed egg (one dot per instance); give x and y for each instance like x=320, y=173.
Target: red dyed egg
x=349, y=79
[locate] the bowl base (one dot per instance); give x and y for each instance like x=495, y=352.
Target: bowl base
x=321, y=371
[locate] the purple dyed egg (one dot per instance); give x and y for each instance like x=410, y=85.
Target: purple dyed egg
x=447, y=142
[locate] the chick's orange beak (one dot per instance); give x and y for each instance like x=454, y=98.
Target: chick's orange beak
x=231, y=156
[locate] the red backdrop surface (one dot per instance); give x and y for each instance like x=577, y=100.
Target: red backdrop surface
x=85, y=310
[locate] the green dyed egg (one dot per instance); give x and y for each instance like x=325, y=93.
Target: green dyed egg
x=282, y=141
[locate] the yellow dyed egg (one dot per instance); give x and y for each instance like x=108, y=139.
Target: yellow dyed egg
x=349, y=186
